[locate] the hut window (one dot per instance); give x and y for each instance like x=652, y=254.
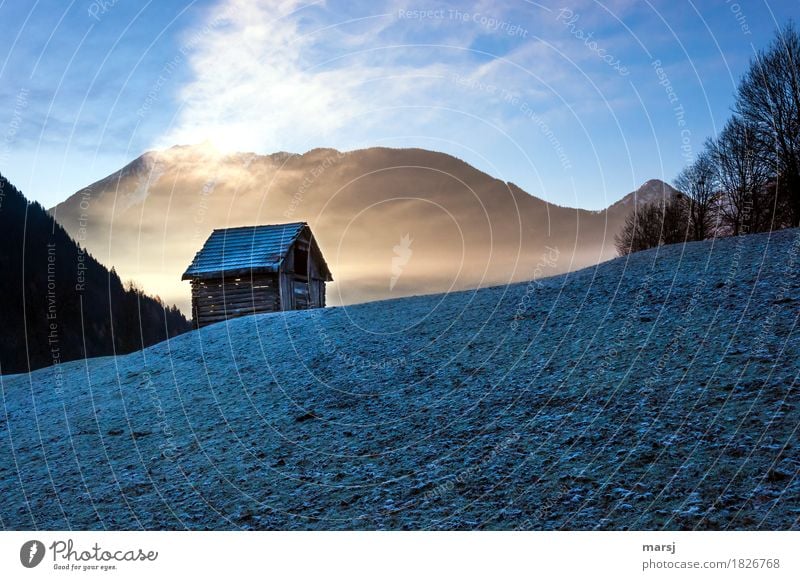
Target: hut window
x=300, y=260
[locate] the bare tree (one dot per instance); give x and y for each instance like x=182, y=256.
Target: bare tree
x=697, y=183
x=676, y=222
x=743, y=176
x=638, y=232
x=654, y=224
x=769, y=101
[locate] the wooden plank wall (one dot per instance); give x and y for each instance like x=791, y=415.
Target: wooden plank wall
x=285, y=291
x=216, y=300
x=318, y=293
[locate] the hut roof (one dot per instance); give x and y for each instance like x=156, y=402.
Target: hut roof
x=249, y=249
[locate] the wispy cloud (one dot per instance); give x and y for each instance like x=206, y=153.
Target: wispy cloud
x=256, y=86
x=289, y=76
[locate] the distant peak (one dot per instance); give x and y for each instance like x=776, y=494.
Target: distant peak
x=650, y=191
x=655, y=184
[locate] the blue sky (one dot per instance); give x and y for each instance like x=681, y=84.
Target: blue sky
x=566, y=99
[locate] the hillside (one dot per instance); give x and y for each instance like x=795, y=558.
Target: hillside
x=467, y=229
x=657, y=391
x=59, y=303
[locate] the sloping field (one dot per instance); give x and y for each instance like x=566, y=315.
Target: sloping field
x=659, y=391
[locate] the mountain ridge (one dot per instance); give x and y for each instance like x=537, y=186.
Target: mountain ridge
x=152, y=155
x=470, y=228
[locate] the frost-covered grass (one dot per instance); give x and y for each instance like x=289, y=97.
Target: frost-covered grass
x=659, y=391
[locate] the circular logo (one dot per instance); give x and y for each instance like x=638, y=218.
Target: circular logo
x=31, y=553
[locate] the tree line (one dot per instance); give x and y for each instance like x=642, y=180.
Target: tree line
x=745, y=180
x=59, y=303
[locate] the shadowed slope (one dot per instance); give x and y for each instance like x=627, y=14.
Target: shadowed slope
x=658, y=391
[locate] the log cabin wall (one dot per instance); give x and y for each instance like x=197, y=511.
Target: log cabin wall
x=302, y=283
x=285, y=290
x=257, y=269
x=214, y=300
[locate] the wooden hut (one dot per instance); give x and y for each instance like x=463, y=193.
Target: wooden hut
x=254, y=269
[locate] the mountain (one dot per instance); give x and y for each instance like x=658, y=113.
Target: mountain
x=655, y=391
x=649, y=192
x=59, y=303
x=461, y=228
